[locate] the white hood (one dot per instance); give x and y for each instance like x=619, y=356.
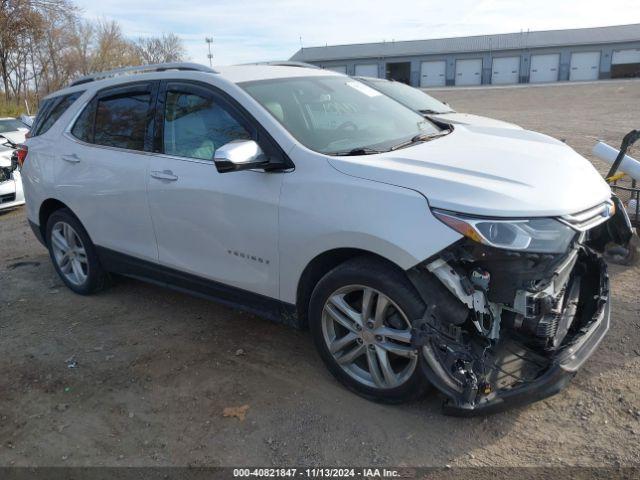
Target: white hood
x=456, y=118
x=489, y=171
x=16, y=137
x=5, y=156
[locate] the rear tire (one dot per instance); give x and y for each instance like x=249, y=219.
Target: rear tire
x=73, y=253
x=360, y=316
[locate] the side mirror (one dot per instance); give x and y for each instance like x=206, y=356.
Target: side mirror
x=239, y=155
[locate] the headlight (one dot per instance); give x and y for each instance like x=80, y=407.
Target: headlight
x=542, y=235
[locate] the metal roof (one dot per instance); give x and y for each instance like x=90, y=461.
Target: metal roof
x=479, y=43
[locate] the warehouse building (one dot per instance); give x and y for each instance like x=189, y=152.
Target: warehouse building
x=526, y=57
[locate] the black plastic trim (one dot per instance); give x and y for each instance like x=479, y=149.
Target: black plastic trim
x=261, y=305
x=38, y=233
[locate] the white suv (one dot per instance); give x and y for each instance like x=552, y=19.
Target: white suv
x=463, y=258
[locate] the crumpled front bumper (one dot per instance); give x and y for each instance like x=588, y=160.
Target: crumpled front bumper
x=563, y=365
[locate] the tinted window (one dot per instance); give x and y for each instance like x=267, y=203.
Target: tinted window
x=121, y=121
x=83, y=128
x=195, y=126
x=51, y=110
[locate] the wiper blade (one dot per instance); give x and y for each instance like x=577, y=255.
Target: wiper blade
x=434, y=112
x=356, y=151
x=421, y=137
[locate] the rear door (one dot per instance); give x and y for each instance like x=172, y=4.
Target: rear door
x=218, y=226
x=102, y=169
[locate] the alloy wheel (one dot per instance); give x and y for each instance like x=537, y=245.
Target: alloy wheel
x=69, y=253
x=369, y=337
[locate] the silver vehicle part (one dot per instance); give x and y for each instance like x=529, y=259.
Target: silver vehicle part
x=476, y=301
x=69, y=253
x=370, y=346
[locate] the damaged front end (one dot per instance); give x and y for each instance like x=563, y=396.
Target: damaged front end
x=511, y=326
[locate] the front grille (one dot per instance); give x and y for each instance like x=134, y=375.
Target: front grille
x=592, y=217
x=9, y=197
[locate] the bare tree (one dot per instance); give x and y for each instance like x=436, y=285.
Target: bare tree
x=82, y=45
x=22, y=26
x=166, y=48
x=112, y=49
x=44, y=44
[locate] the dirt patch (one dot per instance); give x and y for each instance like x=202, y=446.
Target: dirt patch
x=154, y=370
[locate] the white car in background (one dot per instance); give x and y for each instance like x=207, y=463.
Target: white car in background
x=426, y=105
x=11, y=194
x=12, y=133
x=13, y=129
x=27, y=120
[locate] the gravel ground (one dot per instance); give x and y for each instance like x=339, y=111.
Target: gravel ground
x=154, y=369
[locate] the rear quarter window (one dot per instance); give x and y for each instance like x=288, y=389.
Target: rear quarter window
x=51, y=110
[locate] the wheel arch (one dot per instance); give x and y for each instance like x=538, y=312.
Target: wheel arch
x=47, y=208
x=319, y=266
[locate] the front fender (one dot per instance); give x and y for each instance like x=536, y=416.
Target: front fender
x=330, y=210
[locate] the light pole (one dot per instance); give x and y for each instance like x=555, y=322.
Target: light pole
x=209, y=41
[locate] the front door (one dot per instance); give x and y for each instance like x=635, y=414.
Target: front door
x=217, y=226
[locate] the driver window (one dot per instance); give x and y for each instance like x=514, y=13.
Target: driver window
x=195, y=126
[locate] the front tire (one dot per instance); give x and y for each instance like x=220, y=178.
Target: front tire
x=360, y=317
x=73, y=254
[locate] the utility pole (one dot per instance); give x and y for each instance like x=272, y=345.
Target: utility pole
x=209, y=41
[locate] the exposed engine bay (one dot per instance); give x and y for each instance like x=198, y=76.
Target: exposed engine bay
x=6, y=171
x=8, y=159
x=504, y=325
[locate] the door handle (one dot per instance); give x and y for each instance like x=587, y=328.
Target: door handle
x=164, y=175
x=73, y=158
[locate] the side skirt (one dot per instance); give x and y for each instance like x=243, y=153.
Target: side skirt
x=263, y=306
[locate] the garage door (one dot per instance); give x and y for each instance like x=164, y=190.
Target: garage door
x=621, y=57
x=433, y=74
x=368, y=70
x=469, y=72
x=544, y=68
x=625, y=63
x=339, y=69
x=505, y=70
x=584, y=66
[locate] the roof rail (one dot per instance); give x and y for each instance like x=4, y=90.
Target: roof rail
x=157, y=67
x=284, y=63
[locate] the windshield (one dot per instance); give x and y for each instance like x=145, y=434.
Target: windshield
x=11, y=125
x=411, y=97
x=338, y=115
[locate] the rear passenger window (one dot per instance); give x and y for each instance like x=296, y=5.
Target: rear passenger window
x=51, y=110
x=122, y=121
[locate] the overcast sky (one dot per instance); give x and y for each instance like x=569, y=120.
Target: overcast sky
x=256, y=30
